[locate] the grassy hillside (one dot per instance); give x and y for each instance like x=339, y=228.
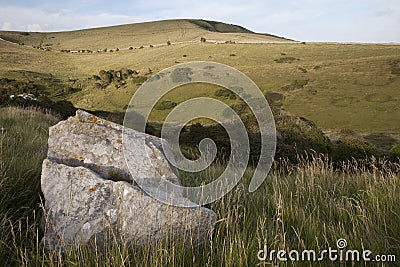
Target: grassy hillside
x=337, y=86
x=136, y=35
x=307, y=206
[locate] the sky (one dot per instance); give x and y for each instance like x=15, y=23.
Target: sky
x=302, y=20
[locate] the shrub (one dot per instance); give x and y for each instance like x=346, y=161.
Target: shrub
x=168, y=42
x=131, y=48
x=166, y=104
x=349, y=148
x=297, y=135
x=203, y=40
x=394, y=153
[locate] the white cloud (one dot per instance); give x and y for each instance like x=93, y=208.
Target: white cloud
x=33, y=19
x=34, y=27
x=6, y=26
x=307, y=20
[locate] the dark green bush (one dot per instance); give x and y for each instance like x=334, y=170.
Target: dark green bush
x=166, y=104
x=394, y=153
x=297, y=135
x=349, y=148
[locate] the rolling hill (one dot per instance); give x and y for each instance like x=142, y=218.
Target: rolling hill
x=140, y=34
x=354, y=86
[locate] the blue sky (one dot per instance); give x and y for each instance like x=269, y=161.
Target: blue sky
x=303, y=20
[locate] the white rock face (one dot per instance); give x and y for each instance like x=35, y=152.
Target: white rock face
x=86, y=140
x=90, y=195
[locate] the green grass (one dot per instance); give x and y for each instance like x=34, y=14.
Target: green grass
x=23, y=146
x=304, y=206
x=349, y=86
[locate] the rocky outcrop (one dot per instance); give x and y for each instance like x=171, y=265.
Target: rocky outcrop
x=91, y=197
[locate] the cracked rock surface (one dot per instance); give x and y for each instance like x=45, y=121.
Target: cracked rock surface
x=90, y=195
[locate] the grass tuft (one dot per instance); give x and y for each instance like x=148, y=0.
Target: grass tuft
x=309, y=205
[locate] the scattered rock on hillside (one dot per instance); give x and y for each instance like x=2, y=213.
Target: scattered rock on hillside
x=91, y=197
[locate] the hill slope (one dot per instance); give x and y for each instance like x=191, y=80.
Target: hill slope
x=335, y=85
x=139, y=34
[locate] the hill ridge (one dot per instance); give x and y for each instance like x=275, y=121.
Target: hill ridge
x=139, y=34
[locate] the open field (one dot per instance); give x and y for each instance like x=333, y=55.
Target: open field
x=307, y=206
x=354, y=86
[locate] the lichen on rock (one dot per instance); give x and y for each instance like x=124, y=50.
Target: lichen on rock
x=90, y=194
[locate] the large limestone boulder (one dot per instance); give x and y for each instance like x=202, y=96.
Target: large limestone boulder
x=91, y=197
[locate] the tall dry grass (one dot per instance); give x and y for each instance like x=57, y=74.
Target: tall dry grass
x=309, y=205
